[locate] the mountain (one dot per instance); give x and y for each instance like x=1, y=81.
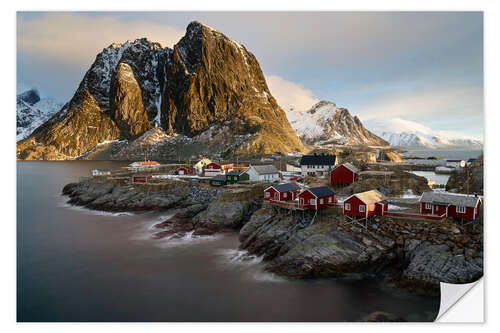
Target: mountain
x=431, y=141
x=32, y=111
x=208, y=91
x=325, y=123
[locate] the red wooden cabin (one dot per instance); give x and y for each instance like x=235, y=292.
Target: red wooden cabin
x=213, y=169
x=184, y=171
x=450, y=205
x=226, y=167
x=344, y=174
x=365, y=204
x=282, y=192
x=316, y=198
x=140, y=178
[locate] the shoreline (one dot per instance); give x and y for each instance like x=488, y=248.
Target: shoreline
x=406, y=255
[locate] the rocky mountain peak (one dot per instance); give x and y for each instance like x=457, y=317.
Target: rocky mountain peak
x=322, y=104
x=206, y=83
x=325, y=123
x=30, y=96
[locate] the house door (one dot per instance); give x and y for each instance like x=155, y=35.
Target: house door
x=276, y=196
x=301, y=201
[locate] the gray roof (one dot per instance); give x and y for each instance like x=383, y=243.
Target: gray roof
x=219, y=178
x=288, y=187
x=264, y=169
x=322, y=191
x=450, y=198
x=348, y=166
x=235, y=172
x=318, y=160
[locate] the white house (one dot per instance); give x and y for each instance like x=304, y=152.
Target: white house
x=262, y=173
x=144, y=166
x=292, y=168
x=198, y=167
x=101, y=172
x=319, y=165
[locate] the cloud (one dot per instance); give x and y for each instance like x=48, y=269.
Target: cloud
x=71, y=38
x=453, y=102
x=289, y=94
x=399, y=125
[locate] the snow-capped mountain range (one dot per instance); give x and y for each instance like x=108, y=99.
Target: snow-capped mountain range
x=423, y=140
x=32, y=111
x=325, y=123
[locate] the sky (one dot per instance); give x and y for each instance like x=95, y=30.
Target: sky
x=397, y=71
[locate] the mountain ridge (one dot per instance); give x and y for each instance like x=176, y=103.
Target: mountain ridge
x=206, y=82
x=430, y=141
x=326, y=123
x=32, y=111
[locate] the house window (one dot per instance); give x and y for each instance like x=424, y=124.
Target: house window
x=372, y=208
x=361, y=209
x=461, y=209
x=285, y=195
x=321, y=201
x=329, y=199
x=268, y=194
x=428, y=206
x=347, y=206
x=312, y=201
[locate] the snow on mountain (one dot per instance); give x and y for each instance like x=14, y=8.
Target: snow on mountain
x=406, y=139
x=32, y=111
x=326, y=123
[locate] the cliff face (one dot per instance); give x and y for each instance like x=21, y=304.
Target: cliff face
x=206, y=84
x=126, y=104
x=217, y=81
x=325, y=123
x=70, y=133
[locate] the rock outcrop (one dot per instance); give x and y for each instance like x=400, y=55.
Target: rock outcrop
x=70, y=133
x=469, y=179
x=126, y=104
x=411, y=254
x=208, y=89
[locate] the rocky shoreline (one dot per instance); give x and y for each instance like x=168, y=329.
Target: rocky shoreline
x=410, y=254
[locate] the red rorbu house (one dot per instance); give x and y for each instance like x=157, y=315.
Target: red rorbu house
x=450, y=205
x=184, y=171
x=141, y=178
x=365, y=204
x=214, y=169
x=344, y=174
x=144, y=166
x=316, y=198
x=282, y=192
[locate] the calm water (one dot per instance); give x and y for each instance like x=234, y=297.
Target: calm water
x=78, y=265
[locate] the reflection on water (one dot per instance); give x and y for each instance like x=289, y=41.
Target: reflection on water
x=78, y=265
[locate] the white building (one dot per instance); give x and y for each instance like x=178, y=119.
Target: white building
x=319, y=165
x=101, y=172
x=267, y=173
x=292, y=168
x=198, y=167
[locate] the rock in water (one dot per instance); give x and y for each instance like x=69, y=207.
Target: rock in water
x=207, y=87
